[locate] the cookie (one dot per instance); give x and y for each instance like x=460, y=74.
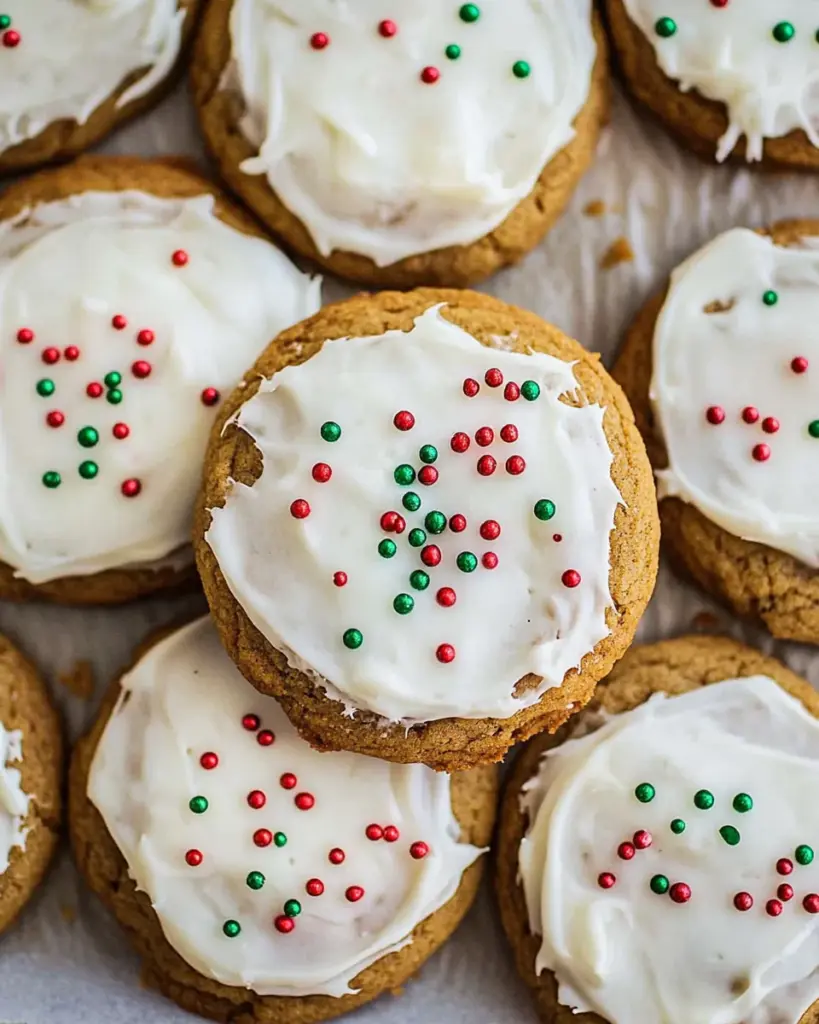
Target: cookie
x=430, y=537
x=256, y=877
x=133, y=296
x=432, y=147
x=731, y=80
x=72, y=72
x=30, y=781
x=665, y=859
x=720, y=373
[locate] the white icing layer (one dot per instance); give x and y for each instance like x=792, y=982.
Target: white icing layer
x=508, y=621
x=74, y=54
x=630, y=954
x=374, y=161
x=184, y=699
x=13, y=801
x=730, y=53
x=66, y=270
x=739, y=357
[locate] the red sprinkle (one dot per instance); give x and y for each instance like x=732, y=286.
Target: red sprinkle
x=606, y=880
x=94, y=389
x=131, y=488
x=785, y=892
x=715, y=414
x=284, y=924
x=446, y=597
x=761, y=452
x=140, y=368
x=515, y=465
x=209, y=760
x=445, y=653
x=210, y=396
x=354, y=893
x=374, y=833
x=750, y=414
x=388, y=521
x=340, y=579
x=387, y=28
x=642, y=839
x=460, y=442
x=680, y=892
x=391, y=834
x=493, y=377
x=784, y=866
x=55, y=418
x=490, y=530
x=263, y=837
x=457, y=523
x=336, y=856
x=305, y=801
x=511, y=392
x=11, y=39
x=509, y=433
x=570, y=578
x=799, y=364
x=471, y=387
x=314, y=887
x=250, y=722
x=770, y=424
x=266, y=738
x=400, y=524
x=256, y=799
x=318, y=40
x=431, y=555
x=25, y=335
x=145, y=337
x=404, y=420
x=72, y=353
x=118, y=322
x=486, y=465
x=428, y=475
x=51, y=355
x=490, y=560
x=194, y=858
x=300, y=509
x=485, y=436
x=557, y=537
x=322, y=472
x=430, y=75
x=743, y=901
x=288, y=781
x=773, y=908
x=418, y=851
x=179, y=258
x=811, y=903
x=625, y=851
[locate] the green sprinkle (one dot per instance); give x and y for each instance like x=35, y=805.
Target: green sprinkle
x=112, y=379
x=88, y=470
x=52, y=478
x=5, y=21
x=677, y=826
x=665, y=27
x=280, y=839
x=45, y=387
x=803, y=854
x=330, y=431
x=411, y=501
x=645, y=792
x=466, y=561
x=521, y=69
x=255, y=880
x=386, y=548
x=453, y=51
x=742, y=803
x=404, y=475
x=813, y=428
x=783, y=32
x=544, y=509
x=198, y=804
x=352, y=639
x=417, y=538
x=770, y=298
x=530, y=390
x=292, y=908
x=435, y=522
x=419, y=580
x=469, y=13
x=659, y=884
x=231, y=929
x=403, y=604
x=703, y=800
x=114, y=396
x=88, y=437
x=730, y=835
x=428, y=454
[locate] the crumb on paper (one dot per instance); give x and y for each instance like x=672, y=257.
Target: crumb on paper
x=68, y=912
x=718, y=306
x=706, y=622
x=79, y=681
x=596, y=208
x=619, y=251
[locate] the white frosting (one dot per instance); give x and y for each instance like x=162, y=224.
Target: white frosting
x=66, y=269
x=13, y=801
x=185, y=698
x=737, y=357
x=729, y=53
x=515, y=619
x=73, y=54
x=374, y=161
x=629, y=954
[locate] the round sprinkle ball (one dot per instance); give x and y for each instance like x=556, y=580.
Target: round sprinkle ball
x=645, y=792
x=742, y=803
x=659, y=884
x=353, y=639
x=704, y=800
x=544, y=509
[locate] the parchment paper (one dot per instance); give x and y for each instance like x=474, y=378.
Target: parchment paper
x=66, y=961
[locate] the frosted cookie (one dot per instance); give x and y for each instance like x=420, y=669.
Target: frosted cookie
x=132, y=296
x=30, y=781
x=71, y=70
x=659, y=864
x=428, y=526
x=256, y=877
x=433, y=146
x=721, y=372
x=733, y=79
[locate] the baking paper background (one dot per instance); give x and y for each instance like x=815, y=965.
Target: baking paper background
x=66, y=961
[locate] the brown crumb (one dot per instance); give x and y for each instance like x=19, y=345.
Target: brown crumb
x=68, y=912
x=619, y=251
x=596, y=208
x=706, y=622
x=717, y=306
x=79, y=681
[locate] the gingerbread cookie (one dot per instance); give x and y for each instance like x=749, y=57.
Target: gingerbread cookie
x=720, y=372
x=428, y=526
x=431, y=147
x=72, y=70
x=30, y=781
x=132, y=295
x=733, y=79
x=658, y=859
x=255, y=876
